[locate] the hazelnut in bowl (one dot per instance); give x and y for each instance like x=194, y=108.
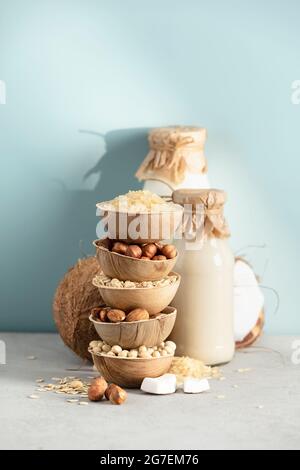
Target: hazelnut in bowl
x=145, y=262
x=128, y=368
x=153, y=296
x=133, y=329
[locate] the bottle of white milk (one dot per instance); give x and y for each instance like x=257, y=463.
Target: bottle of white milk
x=204, y=327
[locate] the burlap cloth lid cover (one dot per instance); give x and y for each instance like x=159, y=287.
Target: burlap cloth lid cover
x=170, y=148
x=211, y=203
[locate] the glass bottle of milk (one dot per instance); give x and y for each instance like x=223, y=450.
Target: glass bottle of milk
x=204, y=327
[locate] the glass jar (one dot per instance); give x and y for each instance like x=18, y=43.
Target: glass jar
x=204, y=327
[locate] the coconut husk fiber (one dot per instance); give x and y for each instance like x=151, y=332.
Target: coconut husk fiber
x=74, y=298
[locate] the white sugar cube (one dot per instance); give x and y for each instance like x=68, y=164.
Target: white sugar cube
x=195, y=385
x=163, y=385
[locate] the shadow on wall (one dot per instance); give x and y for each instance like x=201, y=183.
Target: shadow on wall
x=114, y=172
x=62, y=219
x=125, y=149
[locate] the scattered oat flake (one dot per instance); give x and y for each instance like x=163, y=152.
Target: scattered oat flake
x=56, y=379
x=34, y=397
x=72, y=400
x=235, y=386
x=260, y=407
x=39, y=381
x=242, y=371
x=221, y=397
x=83, y=403
x=222, y=379
x=31, y=358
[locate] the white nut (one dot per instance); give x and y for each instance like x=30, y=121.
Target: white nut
x=156, y=354
x=110, y=353
x=133, y=353
x=123, y=353
x=164, y=353
x=116, y=283
x=169, y=350
x=144, y=355
x=142, y=349
x=97, y=350
x=116, y=349
x=170, y=344
x=96, y=344
x=161, y=345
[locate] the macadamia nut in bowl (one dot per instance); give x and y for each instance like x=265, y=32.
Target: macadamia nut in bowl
x=143, y=262
x=153, y=296
x=132, y=333
x=129, y=368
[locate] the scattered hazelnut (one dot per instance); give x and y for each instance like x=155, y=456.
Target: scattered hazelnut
x=97, y=389
x=169, y=251
x=115, y=394
x=159, y=258
x=149, y=250
x=115, y=315
x=119, y=247
x=134, y=251
x=138, y=314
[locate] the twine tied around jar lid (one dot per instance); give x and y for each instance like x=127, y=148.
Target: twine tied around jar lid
x=169, y=148
x=206, y=206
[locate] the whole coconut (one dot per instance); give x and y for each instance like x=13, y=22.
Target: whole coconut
x=73, y=301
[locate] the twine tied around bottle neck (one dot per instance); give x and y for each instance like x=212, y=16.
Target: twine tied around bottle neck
x=167, y=154
x=203, y=213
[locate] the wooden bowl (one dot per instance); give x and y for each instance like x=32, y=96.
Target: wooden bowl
x=141, y=227
x=125, y=268
x=153, y=299
x=130, y=373
x=133, y=334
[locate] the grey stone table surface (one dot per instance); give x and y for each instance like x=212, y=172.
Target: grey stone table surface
x=254, y=409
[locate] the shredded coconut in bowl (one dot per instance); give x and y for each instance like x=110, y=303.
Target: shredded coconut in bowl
x=138, y=202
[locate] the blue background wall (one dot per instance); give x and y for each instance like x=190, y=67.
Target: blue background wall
x=86, y=79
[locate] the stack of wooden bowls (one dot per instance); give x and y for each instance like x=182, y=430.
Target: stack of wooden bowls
x=130, y=372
